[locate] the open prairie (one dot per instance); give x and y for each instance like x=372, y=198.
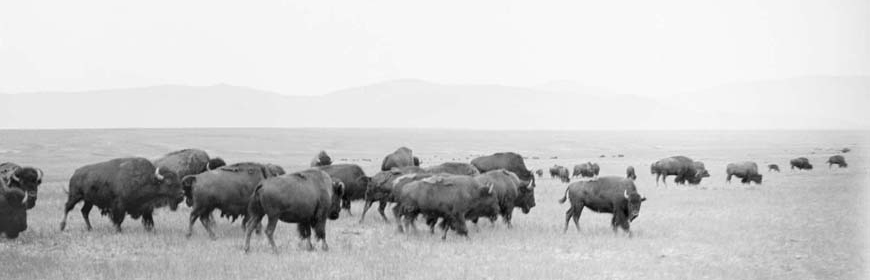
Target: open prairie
x=796, y=225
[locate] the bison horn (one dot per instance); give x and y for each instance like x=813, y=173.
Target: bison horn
x=157, y=174
x=26, y=196
x=491, y=185
x=208, y=165
x=14, y=177
x=625, y=193
x=39, y=176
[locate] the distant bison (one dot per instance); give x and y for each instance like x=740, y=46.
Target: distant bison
x=354, y=179
x=321, y=159
x=188, y=162
x=839, y=160
x=400, y=158
x=588, y=169
x=455, y=168
x=629, y=173
x=747, y=171
x=560, y=172
x=801, y=163
x=681, y=166
x=27, y=179
x=609, y=194
x=13, y=211
x=123, y=186
x=772, y=167
x=540, y=173
x=307, y=198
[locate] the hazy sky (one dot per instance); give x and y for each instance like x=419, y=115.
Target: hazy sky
x=313, y=47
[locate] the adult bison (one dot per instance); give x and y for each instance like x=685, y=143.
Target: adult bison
x=747, y=171
x=629, y=173
x=801, y=163
x=540, y=173
x=445, y=196
x=27, y=179
x=123, y=186
x=354, y=179
x=321, y=159
x=609, y=194
x=307, y=198
x=700, y=173
x=188, y=162
x=681, y=166
x=584, y=170
x=227, y=189
x=508, y=161
x=382, y=185
x=455, y=168
x=506, y=187
x=772, y=167
x=555, y=170
x=13, y=211
x=400, y=158
x=560, y=172
x=839, y=160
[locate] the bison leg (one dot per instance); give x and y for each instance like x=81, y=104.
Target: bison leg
x=207, y=222
x=398, y=216
x=728, y=178
x=304, y=230
x=459, y=225
x=86, y=212
x=577, y=211
x=253, y=222
x=507, y=215
x=270, y=232
x=365, y=209
x=381, y=207
x=117, y=216
x=70, y=204
x=320, y=233
x=345, y=204
x=148, y=220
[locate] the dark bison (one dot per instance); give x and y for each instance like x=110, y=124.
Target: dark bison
x=228, y=189
x=400, y=158
x=455, y=168
x=25, y=178
x=629, y=173
x=354, y=179
x=772, y=167
x=321, y=159
x=681, y=166
x=123, y=186
x=382, y=185
x=560, y=172
x=839, y=160
x=801, y=163
x=540, y=173
x=588, y=169
x=307, y=198
x=13, y=211
x=506, y=186
x=747, y=171
x=609, y=194
x=445, y=196
x=700, y=173
x=514, y=163
x=188, y=162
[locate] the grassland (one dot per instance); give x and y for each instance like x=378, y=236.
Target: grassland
x=797, y=225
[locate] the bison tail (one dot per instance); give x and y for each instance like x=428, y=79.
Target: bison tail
x=255, y=207
x=564, y=198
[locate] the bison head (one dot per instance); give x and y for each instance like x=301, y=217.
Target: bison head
x=376, y=188
x=187, y=187
x=526, y=197
x=215, y=163
x=752, y=178
x=417, y=161
x=337, y=193
x=169, y=187
x=634, y=200
x=27, y=179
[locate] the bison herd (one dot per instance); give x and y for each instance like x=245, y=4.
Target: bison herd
x=445, y=195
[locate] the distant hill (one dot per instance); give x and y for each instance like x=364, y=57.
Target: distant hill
x=417, y=103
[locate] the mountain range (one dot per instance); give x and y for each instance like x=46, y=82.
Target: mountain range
x=796, y=103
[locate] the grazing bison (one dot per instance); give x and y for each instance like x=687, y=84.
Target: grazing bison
x=682, y=167
x=747, y=171
x=382, y=185
x=455, y=168
x=307, y=198
x=700, y=173
x=560, y=172
x=801, y=163
x=400, y=158
x=540, y=173
x=839, y=160
x=354, y=179
x=450, y=197
x=188, y=162
x=228, y=189
x=772, y=167
x=25, y=178
x=588, y=169
x=123, y=186
x=321, y=159
x=609, y=194
x=629, y=173
x=13, y=210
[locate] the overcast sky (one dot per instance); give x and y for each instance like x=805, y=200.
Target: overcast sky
x=314, y=47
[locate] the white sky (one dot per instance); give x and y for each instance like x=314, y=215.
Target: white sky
x=314, y=47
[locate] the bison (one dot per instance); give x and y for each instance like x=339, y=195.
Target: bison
x=540, y=173
x=25, y=178
x=321, y=159
x=228, y=189
x=455, y=168
x=584, y=170
x=839, y=160
x=514, y=163
x=13, y=210
x=188, y=162
x=681, y=166
x=307, y=198
x=450, y=197
x=772, y=167
x=609, y=194
x=747, y=171
x=801, y=163
x=507, y=192
x=700, y=173
x=123, y=186
x=629, y=173
x=400, y=158
x=382, y=185
x=560, y=172
x=354, y=179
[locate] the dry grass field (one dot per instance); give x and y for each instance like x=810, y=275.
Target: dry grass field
x=796, y=225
